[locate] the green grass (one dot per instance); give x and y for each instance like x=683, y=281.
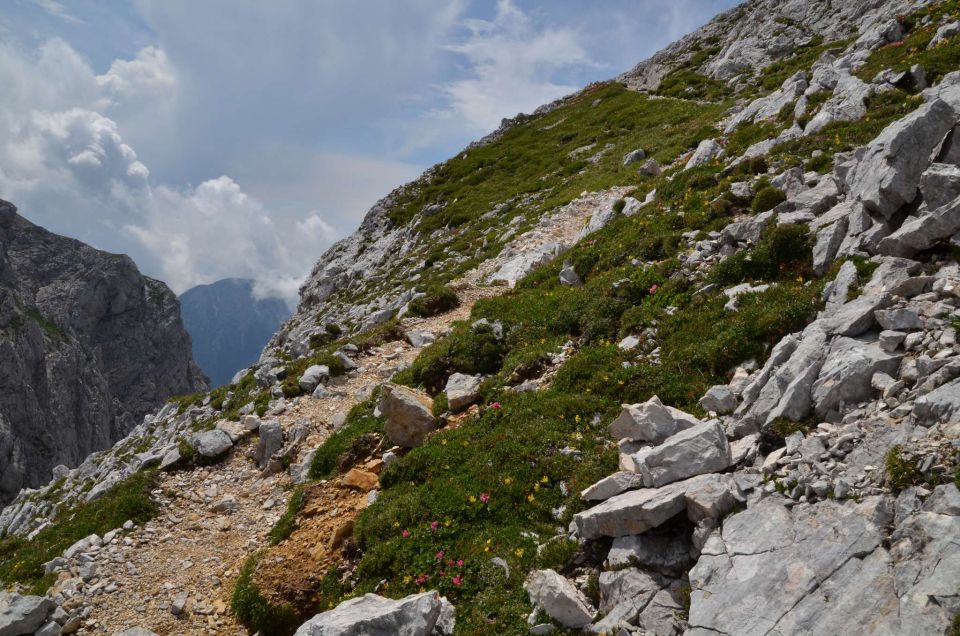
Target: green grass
x=900, y=56
x=901, y=473
x=252, y=608
x=360, y=421
x=437, y=299
x=767, y=198
x=52, y=330
x=286, y=524
x=21, y=561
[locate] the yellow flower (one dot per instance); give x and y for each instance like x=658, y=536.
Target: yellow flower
x=507, y=481
x=531, y=498
x=443, y=443
x=489, y=541
x=518, y=552
x=473, y=499
x=446, y=524
x=577, y=419
x=545, y=479
x=396, y=524
x=536, y=488
x=407, y=579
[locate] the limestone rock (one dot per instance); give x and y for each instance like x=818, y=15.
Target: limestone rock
x=372, y=615
x=21, y=615
x=847, y=371
x=462, y=391
x=940, y=405
x=707, y=151
x=720, y=399
x=314, y=376
x=694, y=451
x=650, y=421
x=612, y=485
x=100, y=346
x=408, y=413
x=556, y=596
x=888, y=175
x=271, y=441
x=212, y=443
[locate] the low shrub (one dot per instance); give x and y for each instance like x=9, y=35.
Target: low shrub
x=437, y=299
x=255, y=611
x=470, y=350
x=767, y=199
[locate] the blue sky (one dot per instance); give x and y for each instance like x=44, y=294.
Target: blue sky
x=217, y=138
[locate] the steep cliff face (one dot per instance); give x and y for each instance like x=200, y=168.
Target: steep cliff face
x=229, y=326
x=88, y=346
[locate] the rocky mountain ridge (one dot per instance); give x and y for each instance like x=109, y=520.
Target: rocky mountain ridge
x=696, y=373
x=89, y=345
x=228, y=326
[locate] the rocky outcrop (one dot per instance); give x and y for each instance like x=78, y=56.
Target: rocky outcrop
x=754, y=34
x=425, y=614
x=88, y=346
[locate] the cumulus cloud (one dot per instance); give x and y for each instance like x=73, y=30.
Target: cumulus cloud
x=148, y=76
x=217, y=228
x=65, y=162
x=513, y=65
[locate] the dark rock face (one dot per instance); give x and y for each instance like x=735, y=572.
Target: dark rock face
x=229, y=326
x=88, y=346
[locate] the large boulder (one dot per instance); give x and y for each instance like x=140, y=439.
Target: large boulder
x=848, y=103
x=271, y=440
x=887, y=176
x=650, y=421
x=424, y=614
x=697, y=450
x=637, y=511
x=923, y=232
x=211, y=444
x=707, y=151
x=557, y=596
x=462, y=391
x=409, y=415
x=22, y=615
x=313, y=376
x=940, y=405
x=846, y=373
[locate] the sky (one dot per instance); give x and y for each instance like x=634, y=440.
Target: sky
x=211, y=139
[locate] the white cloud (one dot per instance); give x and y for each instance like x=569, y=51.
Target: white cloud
x=66, y=164
x=57, y=10
x=513, y=66
x=147, y=76
x=216, y=230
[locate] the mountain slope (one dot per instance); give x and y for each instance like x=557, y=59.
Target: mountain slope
x=771, y=287
x=228, y=325
x=89, y=346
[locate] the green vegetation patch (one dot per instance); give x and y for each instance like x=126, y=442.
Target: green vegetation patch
x=437, y=299
x=21, y=561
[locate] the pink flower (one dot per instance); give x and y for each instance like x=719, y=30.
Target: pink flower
x=496, y=406
x=460, y=563
x=439, y=555
x=484, y=497
x=434, y=525
x=457, y=580
x=405, y=533
x=423, y=578
x=654, y=288
x=450, y=562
